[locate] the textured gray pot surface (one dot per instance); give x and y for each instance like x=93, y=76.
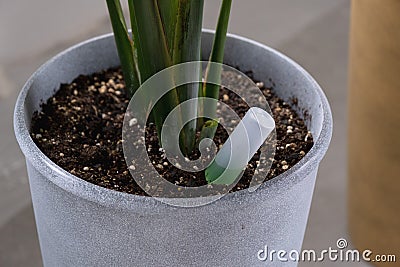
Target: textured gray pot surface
x=81, y=224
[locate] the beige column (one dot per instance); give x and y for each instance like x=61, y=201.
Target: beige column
x=374, y=127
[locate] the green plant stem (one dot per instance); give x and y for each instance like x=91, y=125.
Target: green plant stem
x=208, y=130
x=124, y=46
x=187, y=47
x=165, y=33
x=218, y=48
x=213, y=71
x=152, y=52
x=169, y=12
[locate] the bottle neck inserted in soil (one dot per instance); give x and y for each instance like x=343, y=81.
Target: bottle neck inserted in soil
x=241, y=146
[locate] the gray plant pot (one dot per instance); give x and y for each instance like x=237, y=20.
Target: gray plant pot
x=81, y=224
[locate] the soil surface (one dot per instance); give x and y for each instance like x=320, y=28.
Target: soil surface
x=80, y=129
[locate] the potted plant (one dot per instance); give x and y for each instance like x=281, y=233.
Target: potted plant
x=90, y=211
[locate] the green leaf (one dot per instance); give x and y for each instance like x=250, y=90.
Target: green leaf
x=187, y=47
x=217, y=53
x=169, y=15
x=213, y=71
x=124, y=45
x=187, y=32
x=148, y=31
x=208, y=130
x=152, y=51
x=164, y=33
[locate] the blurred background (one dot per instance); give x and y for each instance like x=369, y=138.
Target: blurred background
x=312, y=32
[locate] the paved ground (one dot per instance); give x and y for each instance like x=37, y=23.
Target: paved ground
x=313, y=32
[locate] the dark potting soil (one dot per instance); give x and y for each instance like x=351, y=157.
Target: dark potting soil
x=80, y=129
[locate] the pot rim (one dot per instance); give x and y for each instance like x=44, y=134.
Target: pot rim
x=142, y=204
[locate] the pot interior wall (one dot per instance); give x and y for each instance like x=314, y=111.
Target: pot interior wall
x=84, y=61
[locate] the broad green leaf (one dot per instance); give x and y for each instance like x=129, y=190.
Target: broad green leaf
x=169, y=15
x=187, y=47
x=152, y=52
